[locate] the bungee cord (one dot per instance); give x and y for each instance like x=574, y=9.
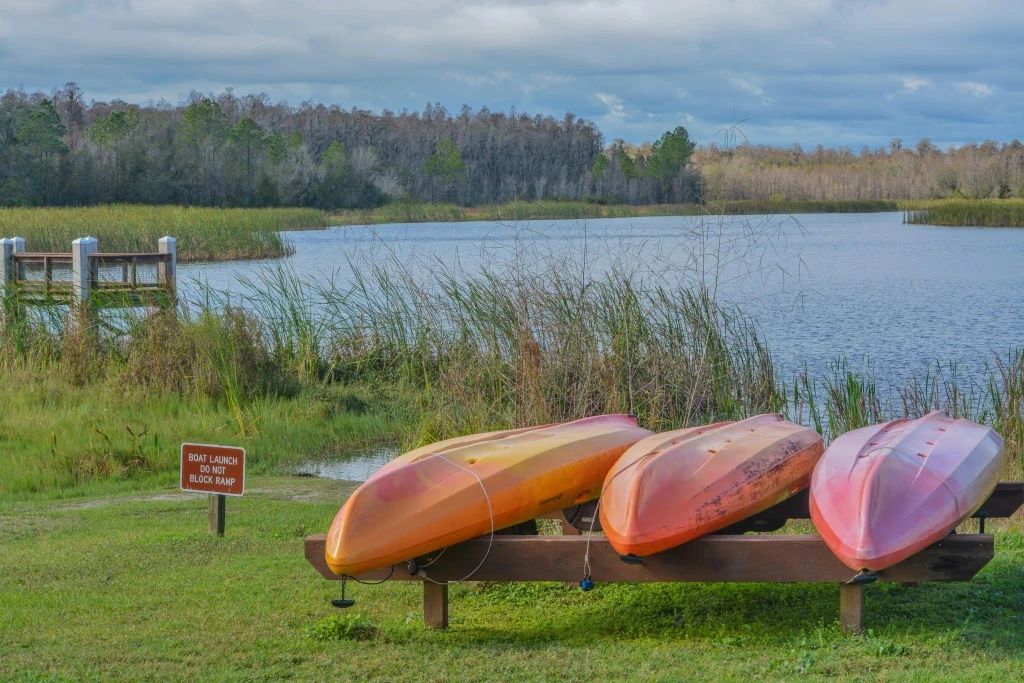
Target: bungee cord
x=587, y=583
x=490, y=543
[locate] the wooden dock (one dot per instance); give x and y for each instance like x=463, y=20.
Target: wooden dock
x=86, y=279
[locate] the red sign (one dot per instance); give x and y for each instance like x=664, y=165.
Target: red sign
x=213, y=469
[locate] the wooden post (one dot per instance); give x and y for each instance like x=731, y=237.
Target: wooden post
x=6, y=277
x=218, y=508
x=167, y=271
x=435, y=605
x=17, y=307
x=81, y=275
x=851, y=608
x=10, y=307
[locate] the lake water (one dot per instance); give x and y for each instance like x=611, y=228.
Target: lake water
x=355, y=465
x=820, y=286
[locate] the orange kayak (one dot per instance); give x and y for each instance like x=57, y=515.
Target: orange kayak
x=674, y=487
x=882, y=493
x=434, y=496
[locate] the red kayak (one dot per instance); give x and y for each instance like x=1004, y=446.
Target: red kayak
x=882, y=493
x=673, y=487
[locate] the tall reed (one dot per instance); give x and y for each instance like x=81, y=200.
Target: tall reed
x=521, y=337
x=965, y=212
x=844, y=399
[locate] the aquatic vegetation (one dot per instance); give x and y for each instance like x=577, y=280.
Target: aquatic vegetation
x=956, y=212
x=415, y=212
x=203, y=234
x=966, y=212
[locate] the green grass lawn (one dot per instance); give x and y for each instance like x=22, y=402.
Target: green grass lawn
x=59, y=439
x=128, y=585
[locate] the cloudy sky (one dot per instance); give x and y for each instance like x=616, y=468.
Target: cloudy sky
x=835, y=72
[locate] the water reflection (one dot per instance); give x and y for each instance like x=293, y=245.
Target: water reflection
x=356, y=466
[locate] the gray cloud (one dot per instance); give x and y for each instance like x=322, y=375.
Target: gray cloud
x=808, y=71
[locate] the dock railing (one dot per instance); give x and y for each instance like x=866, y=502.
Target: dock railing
x=85, y=278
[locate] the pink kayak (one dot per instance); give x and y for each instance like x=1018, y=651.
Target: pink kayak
x=882, y=493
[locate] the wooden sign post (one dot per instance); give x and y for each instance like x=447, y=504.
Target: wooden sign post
x=217, y=470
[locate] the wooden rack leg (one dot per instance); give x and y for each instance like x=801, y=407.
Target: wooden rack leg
x=435, y=605
x=851, y=608
x=570, y=530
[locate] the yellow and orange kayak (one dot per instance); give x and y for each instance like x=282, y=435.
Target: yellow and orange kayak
x=673, y=487
x=448, y=492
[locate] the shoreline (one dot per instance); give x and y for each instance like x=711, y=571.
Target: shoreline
x=407, y=212
x=945, y=212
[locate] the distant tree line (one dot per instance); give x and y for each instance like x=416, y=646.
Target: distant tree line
x=923, y=171
x=248, y=151
x=227, y=150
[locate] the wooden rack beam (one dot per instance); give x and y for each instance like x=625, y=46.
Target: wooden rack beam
x=716, y=558
x=744, y=559
x=755, y=559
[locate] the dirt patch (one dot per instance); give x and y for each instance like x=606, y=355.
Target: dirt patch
x=20, y=527
x=305, y=489
x=81, y=505
x=102, y=502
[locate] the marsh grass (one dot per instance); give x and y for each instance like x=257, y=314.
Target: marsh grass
x=203, y=234
x=113, y=402
x=844, y=399
x=523, y=336
x=952, y=212
x=412, y=212
x=120, y=432
x=965, y=212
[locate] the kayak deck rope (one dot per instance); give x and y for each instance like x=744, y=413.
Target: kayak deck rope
x=490, y=544
x=375, y=583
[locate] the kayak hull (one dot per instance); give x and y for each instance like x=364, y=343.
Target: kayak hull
x=458, y=489
x=677, y=486
x=882, y=493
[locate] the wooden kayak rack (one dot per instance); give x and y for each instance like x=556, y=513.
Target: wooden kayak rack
x=727, y=556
